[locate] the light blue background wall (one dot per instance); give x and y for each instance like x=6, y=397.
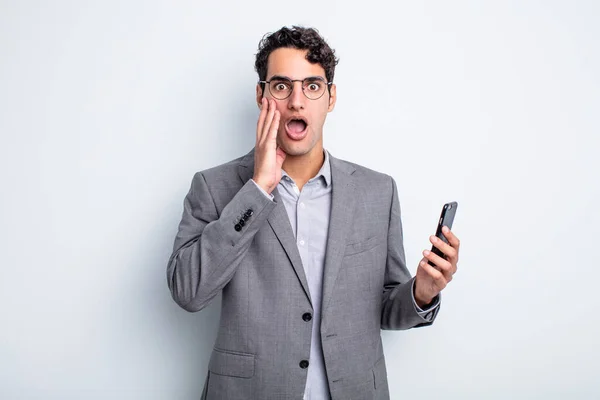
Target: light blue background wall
x=108, y=108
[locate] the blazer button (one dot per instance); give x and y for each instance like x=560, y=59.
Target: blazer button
x=303, y=364
x=307, y=316
x=241, y=222
x=238, y=227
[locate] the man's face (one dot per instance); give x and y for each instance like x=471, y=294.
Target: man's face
x=294, y=137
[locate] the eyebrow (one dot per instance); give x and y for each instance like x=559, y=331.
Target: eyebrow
x=288, y=78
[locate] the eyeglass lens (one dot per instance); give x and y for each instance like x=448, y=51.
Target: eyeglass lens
x=282, y=88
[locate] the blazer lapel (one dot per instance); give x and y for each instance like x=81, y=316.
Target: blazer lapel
x=279, y=222
x=343, y=197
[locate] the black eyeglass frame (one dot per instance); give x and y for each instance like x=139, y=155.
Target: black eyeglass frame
x=310, y=78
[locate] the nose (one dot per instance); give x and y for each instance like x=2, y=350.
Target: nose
x=297, y=98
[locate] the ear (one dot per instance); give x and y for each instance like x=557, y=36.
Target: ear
x=259, y=96
x=332, y=97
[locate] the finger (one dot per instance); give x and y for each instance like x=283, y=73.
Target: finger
x=265, y=122
x=452, y=239
x=444, y=266
x=269, y=120
x=274, y=126
x=261, y=119
x=444, y=247
x=437, y=277
x=440, y=263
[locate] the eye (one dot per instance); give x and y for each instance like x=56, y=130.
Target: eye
x=280, y=86
x=314, y=86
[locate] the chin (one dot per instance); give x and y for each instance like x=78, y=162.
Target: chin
x=297, y=148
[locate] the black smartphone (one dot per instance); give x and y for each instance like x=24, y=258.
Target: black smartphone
x=446, y=219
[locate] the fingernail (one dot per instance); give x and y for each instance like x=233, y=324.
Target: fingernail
x=445, y=229
x=426, y=252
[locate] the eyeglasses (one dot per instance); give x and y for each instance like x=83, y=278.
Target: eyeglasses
x=313, y=87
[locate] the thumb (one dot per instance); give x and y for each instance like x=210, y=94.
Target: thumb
x=280, y=156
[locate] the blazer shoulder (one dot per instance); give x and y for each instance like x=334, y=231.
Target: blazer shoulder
x=372, y=178
x=222, y=174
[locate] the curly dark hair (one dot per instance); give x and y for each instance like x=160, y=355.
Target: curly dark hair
x=300, y=38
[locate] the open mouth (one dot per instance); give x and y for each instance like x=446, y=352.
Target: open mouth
x=296, y=126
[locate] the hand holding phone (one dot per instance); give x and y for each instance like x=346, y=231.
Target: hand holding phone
x=446, y=219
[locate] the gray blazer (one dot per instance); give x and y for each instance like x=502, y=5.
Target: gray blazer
x=233, y=239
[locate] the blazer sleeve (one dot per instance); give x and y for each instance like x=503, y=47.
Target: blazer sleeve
x=399, y=310
x=209, y=246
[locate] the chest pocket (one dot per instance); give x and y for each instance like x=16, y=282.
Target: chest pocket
x=359, y=247
x=360, y=263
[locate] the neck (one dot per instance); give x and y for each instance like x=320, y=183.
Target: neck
x=304, y=167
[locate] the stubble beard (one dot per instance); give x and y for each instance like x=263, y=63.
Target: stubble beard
x=300, y=148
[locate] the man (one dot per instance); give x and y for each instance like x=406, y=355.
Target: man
x=306, y=248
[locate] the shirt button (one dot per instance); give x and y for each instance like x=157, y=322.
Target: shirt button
x=302, y=205
x=307, y=316
x=303, y=364
x=301, y=243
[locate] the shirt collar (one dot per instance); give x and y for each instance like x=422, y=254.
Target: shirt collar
x=325, y=170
